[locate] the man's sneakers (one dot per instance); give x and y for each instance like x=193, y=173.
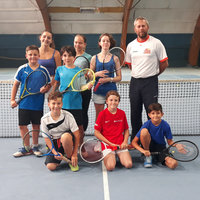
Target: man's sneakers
x=148, y=162
x=23, y=152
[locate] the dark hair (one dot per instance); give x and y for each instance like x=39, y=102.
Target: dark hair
x=80, y=35
x=112, y=92
x=155, y=106
x=112, y=40
x=32, y=47
x=54, y=95
x=69, y=49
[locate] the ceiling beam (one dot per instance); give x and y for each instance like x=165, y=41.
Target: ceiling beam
x=42, y=4
x=125, y=19
x=195, y=45
x=86, y=9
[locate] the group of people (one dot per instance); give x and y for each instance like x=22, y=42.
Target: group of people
x=68, y=118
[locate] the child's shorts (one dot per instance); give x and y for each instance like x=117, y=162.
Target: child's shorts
x=59, y=148
x=155, y=147
x=99, y=99
x=77, y=114
x=27, y=117
x=106, y=149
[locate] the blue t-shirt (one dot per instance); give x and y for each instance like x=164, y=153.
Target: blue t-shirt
x=158, y=133
x=71, y=100
x=110, y=66
x=32, y=102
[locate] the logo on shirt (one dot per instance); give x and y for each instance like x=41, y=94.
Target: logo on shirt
x=25, y=72
x=117, y=120
x=147, y=51
x=107, y=121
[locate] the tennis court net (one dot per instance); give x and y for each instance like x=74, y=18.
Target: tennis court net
x=180, y=101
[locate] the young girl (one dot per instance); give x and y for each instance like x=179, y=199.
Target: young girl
x=111, y=128
x=102, y=65
x=72, y=101
x=80, y=46
x=49, y=57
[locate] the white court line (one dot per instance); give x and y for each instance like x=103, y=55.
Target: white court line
x=105, y=182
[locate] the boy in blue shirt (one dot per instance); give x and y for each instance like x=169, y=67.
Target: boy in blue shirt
x=152, y=137
x=31, y=107
x=72, y=101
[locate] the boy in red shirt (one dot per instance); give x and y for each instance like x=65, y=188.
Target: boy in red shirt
x=111, y=128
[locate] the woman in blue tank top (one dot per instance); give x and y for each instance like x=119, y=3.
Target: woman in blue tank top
x=49, y=57
x=107, y=80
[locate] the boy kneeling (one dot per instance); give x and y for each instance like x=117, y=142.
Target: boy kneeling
x=152, y=137
x=62, y=127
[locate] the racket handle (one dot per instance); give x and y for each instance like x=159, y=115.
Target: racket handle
x=67, y=160
x=18, y=101
x=97, y=86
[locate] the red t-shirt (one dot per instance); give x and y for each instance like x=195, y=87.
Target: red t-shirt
x=112, y=126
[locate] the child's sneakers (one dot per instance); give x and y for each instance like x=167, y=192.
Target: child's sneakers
x=36, y=151
x=148, y=162
x=74, y=169
x=23, y=152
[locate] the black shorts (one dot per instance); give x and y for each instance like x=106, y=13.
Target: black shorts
x=77, y=115
x=59, y=148
x=155, y=147
x=27, y=117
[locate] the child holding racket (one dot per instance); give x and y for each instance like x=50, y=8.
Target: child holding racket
x=102, y=64
x=62, y=127
x=72, y=101
x=111, y=128
x=152, y=136
x=83, y=61
x=30, y=106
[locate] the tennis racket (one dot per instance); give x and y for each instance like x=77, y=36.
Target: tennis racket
x=82, y=62
x=81, y=81
x=119, y=56
x=91, y=151
x=33, y=83
x=182, y=150
x=45, y=151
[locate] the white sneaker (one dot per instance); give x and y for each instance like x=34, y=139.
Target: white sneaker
x=36, y=151
x=148, y=162
x=22, y=152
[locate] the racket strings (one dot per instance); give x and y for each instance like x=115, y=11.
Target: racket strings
x=91, y=152
x=119, y=53
x=184, y=151
x=35, y=81
x=82, y=79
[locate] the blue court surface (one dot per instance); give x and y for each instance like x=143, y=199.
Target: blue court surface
x=27, y=178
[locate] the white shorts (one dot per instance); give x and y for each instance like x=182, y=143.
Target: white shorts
x=106, y=151
x=99, y=99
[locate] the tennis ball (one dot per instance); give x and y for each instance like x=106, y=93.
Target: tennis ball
x=173, y=151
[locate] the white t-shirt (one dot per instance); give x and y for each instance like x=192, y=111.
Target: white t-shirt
x=66, y=122
x=144, y=57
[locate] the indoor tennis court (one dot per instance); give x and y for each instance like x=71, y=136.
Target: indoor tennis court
x=176, y=23
x=28, y=176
